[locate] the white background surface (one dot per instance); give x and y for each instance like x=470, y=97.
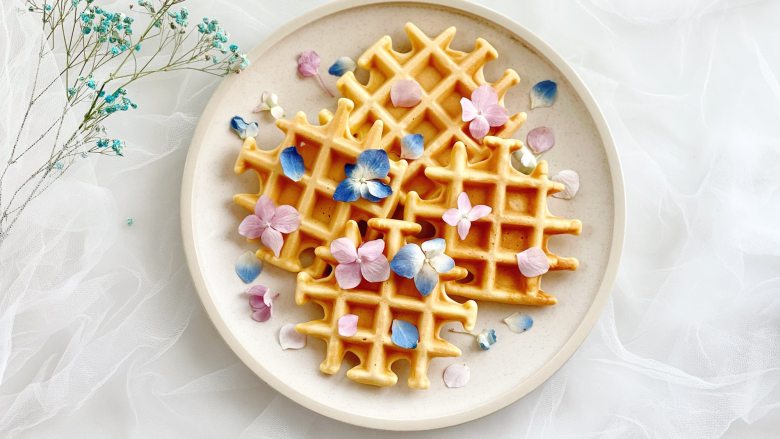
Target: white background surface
x=102, y=334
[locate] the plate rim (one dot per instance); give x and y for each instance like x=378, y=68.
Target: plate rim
x=538, y=377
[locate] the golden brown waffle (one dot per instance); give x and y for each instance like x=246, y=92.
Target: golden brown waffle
x=445, y=75
x=325, y=149
x=376, y=305
x=520, y=219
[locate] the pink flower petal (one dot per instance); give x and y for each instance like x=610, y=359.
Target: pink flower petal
x=348, y=275
x=533, y=262
x=405, y=93
x=483, y=97
x=368, y=251
x=265, y=209
x=256, y=302
x=343, y=249
x=464, y=225
x=496, y=115
x=272, y=239
x=479, y=211
x=464, y=204
x=251, y=227
x=308, y=63
x=540, y=139
x=289, y=338
x=479, y=127
x=286, y=219
x=468, y=109
x=261, y=315
x=451, y=216
x=376, y=270
x=348, y=325
x=269, y=297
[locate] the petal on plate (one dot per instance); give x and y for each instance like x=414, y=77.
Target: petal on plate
x=533, y=262
x=272, y=239
x=261, y=314
x=292, y=163
x=289, y=338
x=464, y=204
x=376, y=163
x=479, y=127
x=411, y=146
x=571, y=183
x=347, y=191
x=371, y=250
x=496, y=115
x=252, y=129
x=464, y=225
x=408, y=261
x=342, y=65
x=451, y=216
x=442, y=263
x=265, y=209
x=343, y=249
x=404, y=334
x=308, y=63
x=543, y=94
x=518, y=322
x=348, y=325
x=277, y=112
x=269, y=297
x=486, y=339
x=248, y=267
x=238, y=125
x=540, y=139
x=483, y=97
x=479, y=211
x=469, y=111
x=434, y=247
x=256, y=294
x=251, y=227
x=348, y=275
x=426, y=280
x=286, y=219
x=378, y=190
x=376, y=270
x=405, y=93
x=456, y=375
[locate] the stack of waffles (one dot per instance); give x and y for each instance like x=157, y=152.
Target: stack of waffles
x=423, y=189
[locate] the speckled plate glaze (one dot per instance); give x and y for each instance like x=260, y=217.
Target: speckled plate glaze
x=518, y=363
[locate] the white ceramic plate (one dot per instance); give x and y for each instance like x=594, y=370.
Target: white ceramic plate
x=518, y=363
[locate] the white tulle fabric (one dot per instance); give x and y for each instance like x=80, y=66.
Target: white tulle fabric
x=102, y=334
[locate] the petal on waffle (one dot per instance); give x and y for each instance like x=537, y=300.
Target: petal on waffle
x=325, y=149
x=519, y=220
x=446, y=75
x=376, y=305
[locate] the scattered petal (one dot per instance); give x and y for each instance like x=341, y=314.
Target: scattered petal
x=533, y=262
x=261, y=315
x=348, y=325
x=456, y=375
x=412, y=146
x=342, y=65
x=405, y=93
x=543, y=94
x=289, y=338
x=243, y=128
x=308, y=63
x=524, y=161
x=404, y=334
x=270, y=102
x=292, y=163
x=571, y=182
x=518, y=322
x=261, y=302
x=540, y=139
x=486, y=339
x=248, y=267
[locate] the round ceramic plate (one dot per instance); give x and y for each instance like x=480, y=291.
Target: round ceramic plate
x=518, y=363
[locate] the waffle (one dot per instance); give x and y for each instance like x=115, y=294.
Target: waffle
x=325, y=149
x=520, y=219
x=377, y=304
x=445, y=75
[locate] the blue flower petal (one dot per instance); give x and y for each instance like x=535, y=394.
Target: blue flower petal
x=292, y=163
x=349, y=169
x=378, y=190
x=434, y=247
x=366, y=194
x=238, y=124
x=342, y=65
x=411, y=146
x=404, y=334
x=347, y=191
x=248, y=267
x=442, y=263
x=519, y=322
x=408, y=261
x=543, y=94
x=376, y=163
x=426, y=280
x=486, y=339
